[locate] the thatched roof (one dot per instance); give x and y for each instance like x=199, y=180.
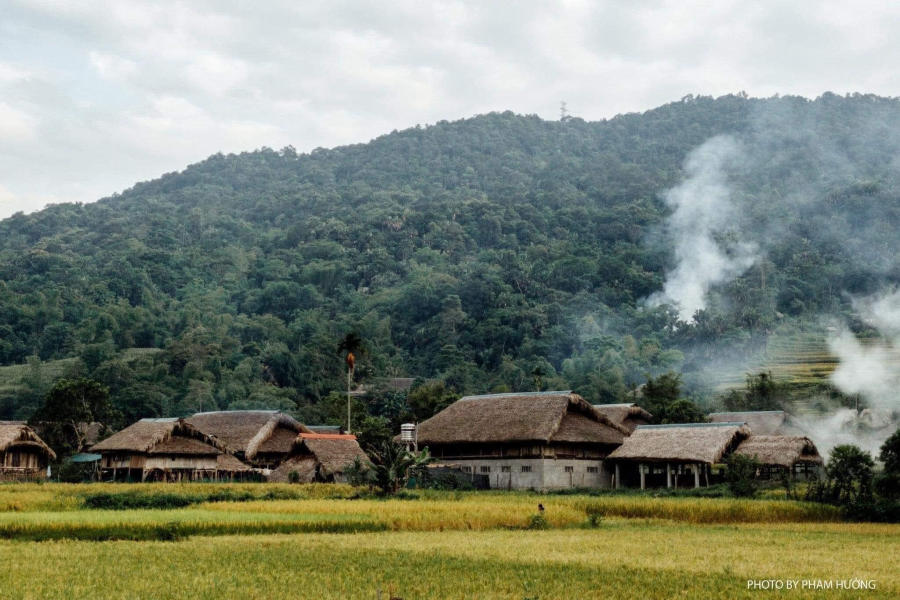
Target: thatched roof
x=19, y=434
x=520, y=417
x=303, y=466
x=250, y=431
x=761, y=422
x=227, y=462
x=332, y=451
x=628, y=415
x=325, y=454
x=780, y=450
x=161, y=436
x=694, y=442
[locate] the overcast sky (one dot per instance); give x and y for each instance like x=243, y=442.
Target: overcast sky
x=95, y=96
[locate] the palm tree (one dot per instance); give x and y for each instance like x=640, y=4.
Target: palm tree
x=349, y=347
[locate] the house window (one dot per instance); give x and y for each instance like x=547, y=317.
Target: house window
x=526, y=468
x=505, y=469
x=485, y=469
x=570, y=469
x=467, y=469
x=592, y=469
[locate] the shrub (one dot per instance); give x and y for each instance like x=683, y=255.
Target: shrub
x=537, y=522
x=741, y=475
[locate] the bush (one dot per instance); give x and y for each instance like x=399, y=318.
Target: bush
x=537, y=522
x=741, y=475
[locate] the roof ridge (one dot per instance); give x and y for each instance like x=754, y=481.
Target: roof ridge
x=515, y=394
x=677, y=425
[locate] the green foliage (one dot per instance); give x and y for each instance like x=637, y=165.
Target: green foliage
x=537, y=522
x=69, y=405
x=887, y=484
x=429, y=399
x=762, y=392
x=502, y=252
x=850, y=472
x=391, y=468
x=741, y=475
x=662, y=397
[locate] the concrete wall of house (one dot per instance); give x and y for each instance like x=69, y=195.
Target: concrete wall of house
x=537, y=473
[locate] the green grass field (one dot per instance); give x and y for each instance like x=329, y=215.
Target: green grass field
x=322, y=541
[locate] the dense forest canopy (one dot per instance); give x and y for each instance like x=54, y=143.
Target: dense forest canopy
x=501, y=252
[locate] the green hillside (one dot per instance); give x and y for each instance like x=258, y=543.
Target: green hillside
x=494, y=253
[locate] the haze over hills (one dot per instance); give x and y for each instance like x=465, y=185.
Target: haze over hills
x=493, y=253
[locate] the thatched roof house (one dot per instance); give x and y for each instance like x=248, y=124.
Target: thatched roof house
x=262, y=438
x=780, y=450
x=761, y=422
x=319, y=457
x=689, y=448
x=166, y=449
x=542, y=417
x=628, y=414
x=537, y=440
x=23, y=454
x=691, y=443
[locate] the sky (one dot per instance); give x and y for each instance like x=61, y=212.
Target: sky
x=96, y=96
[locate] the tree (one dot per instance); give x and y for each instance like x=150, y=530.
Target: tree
x=850, y=474
x=429, y=399
x=69, y=405
x=349, y=346
x=888, y=483
x=662, y=398
x=761, y=392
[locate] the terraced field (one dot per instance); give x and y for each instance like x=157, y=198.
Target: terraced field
x=794, y=358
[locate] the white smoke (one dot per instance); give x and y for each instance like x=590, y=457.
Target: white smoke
x=702, y=214
x=867, y=370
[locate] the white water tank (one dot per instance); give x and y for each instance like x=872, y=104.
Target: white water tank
x=408, y=432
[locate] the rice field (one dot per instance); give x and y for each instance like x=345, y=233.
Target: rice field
x=325, y=542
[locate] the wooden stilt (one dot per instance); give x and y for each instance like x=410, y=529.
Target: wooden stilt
x=668, y=475
x=696, y=476
x=641, y=467
x=616, y=483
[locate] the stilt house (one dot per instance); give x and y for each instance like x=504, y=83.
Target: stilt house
x=164, y=450
x=23, y=454
x=674, y=455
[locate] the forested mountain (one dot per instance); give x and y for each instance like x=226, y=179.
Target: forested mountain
x=497, y=253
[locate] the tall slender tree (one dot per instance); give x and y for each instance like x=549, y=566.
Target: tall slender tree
x=349, y=347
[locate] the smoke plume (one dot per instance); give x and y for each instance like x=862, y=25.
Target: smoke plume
x=702, y=228
x=869, y=371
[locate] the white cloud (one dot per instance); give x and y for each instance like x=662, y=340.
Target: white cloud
x=112, y=67
x=150, y=87
x=16, y=125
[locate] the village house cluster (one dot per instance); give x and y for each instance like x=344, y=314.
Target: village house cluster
x=534, y=440
x=554, y=440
